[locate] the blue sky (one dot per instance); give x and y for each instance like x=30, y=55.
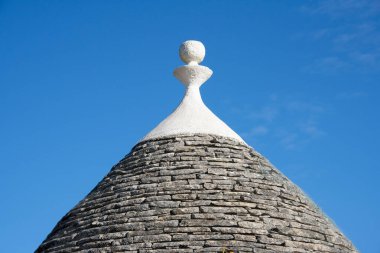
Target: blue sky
x=82, y=81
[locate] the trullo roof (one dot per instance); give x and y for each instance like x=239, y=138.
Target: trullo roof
x=193, y=185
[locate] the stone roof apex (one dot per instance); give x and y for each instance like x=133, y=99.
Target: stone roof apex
x=192, y=116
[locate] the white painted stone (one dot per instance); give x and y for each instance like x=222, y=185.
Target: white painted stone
x=192, y=52
x=192, y=116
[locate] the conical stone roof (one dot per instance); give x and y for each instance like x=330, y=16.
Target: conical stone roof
x=195, y=192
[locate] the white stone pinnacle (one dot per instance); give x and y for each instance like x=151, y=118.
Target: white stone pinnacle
x=192, y=52
x=192, y=116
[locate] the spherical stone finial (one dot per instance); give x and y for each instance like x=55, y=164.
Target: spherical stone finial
x=192, y=52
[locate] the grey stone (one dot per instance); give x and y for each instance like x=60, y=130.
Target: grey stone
x=195, y=193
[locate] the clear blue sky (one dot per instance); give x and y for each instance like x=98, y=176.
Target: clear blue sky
x=82, y=81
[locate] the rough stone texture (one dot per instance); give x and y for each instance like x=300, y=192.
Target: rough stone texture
x=198, y=193
x=192, y=52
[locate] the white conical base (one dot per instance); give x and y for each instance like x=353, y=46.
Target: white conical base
x=192, y=117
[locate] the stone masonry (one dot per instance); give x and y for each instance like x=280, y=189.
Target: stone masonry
x=195, y=193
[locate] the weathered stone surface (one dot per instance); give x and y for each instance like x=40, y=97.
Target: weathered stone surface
x=195, y=193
